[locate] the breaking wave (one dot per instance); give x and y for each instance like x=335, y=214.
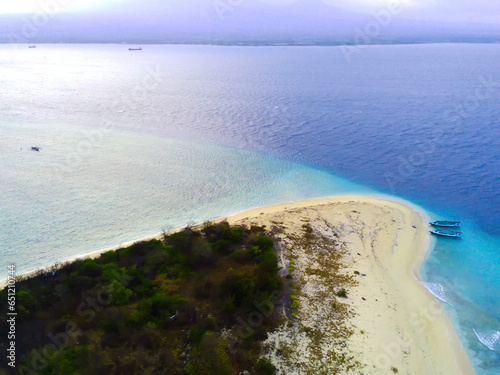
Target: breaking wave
x=438, y=291
x=490, y=339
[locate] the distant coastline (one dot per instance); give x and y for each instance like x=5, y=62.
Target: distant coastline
x=258, y=43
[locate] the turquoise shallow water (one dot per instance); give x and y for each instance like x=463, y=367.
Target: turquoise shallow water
x=217, y=130
x=465, y=275
x=130, y=186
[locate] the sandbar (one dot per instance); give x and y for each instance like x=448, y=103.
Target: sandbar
x=397, y=325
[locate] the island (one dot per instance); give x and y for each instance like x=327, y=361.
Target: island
x=323, y=286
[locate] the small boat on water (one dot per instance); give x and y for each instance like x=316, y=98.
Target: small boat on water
x=31, y=46
x=445, y=223
x=35, y=148
x=135, y=49
x=446, y=233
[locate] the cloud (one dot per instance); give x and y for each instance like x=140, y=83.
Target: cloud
x=481, y=11
x=33, y=6
x=278, y=2
x=301, y=21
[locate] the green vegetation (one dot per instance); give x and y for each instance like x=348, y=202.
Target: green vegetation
x=264, y=367
x=342, y=293
x=295, y=301
x=196, y=302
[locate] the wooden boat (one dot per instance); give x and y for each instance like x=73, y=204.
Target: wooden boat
x=446, y=233
x=445, y=223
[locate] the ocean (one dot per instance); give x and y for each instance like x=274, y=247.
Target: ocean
x=136, y=142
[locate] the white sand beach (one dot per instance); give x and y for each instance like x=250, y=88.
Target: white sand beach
x=397, y=323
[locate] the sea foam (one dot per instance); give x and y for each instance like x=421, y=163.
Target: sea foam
x=438, y=291
x=490, y=339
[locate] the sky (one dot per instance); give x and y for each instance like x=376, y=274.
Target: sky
x=480, y=11
x=231, y=21
x=33, y=6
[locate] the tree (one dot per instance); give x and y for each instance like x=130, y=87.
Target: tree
x=210, y=357
x=120, y=294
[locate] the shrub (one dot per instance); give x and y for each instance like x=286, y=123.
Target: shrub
x=265, y=243
x=112, y=271
x=142, y=286
x=144, y=247
x=269, y=282
x=167, y=285
x=156, y=257
x=240, y=255
x=236, y=234
x=209, y=357
x=79, y=283
x=113, y=324
x=215, y=232
x=254, y=252
x=182, y=240
x=342, y=293
x=201, y=251
x=90, y=268
x=239, y=287
x=138, y=317
x=269, y=263
x=197, y=332
x=248, y=340
x=264, y=367
x=120, y=294
x=203, y=286
x=227, y=305
x=107, y=257
x=66, y=361
x=222, y=246
x=24, y=296
x=145, y=282
x=162, y=303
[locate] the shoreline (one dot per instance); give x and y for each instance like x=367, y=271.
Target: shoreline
x=95, y=253
x=398, y=274
x=419, y=336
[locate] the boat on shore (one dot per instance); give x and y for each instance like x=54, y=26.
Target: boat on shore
x=446, y=233
x=445, y=223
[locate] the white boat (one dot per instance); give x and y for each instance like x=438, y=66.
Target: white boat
x=445, y=223
x=446, y=233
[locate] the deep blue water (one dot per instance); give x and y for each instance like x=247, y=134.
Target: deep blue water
x=190, y=133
